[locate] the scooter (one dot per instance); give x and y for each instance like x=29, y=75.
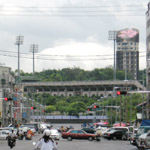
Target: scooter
x=28, y=137
x=11, y=142
x=20, y=137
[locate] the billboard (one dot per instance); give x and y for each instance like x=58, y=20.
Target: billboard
x=128, y=35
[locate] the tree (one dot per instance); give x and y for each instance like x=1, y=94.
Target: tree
x=62, y=106
x=50, y=109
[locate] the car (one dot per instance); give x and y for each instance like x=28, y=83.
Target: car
x=3, y=135
x=55, y=134
x=115, y=134
x=101, y=129
x=128, y=130
x=141, y=130
x=42, y=127
x=35, y=125
x=24, y=128
x=79, y=134
x=143, y=141
x=89, y=130
x=6, y=130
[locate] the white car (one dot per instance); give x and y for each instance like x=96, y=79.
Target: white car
x=3, y=135
x=55, y=134
x=42, y=127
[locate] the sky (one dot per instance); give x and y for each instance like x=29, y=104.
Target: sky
x=69, y=33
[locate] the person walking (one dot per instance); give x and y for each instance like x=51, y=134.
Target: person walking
x=46, y=142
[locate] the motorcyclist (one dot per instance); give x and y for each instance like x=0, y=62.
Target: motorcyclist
x=29, y=134
x=12, y=136
x=46, y=143
x=21, y=135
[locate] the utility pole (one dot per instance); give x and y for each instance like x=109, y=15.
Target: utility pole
x=120, y=109
x=34, y=49
x=112, y=36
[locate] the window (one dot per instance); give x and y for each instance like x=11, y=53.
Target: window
x=124, y=43
x=81, y=132
x=74, y=131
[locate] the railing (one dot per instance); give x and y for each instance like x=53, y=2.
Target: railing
x=70, y=117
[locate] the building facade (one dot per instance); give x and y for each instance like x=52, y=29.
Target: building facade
x=7, y=83
x=148, y=47
x=127, y=54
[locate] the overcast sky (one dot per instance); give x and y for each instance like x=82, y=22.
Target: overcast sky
x=69, y=33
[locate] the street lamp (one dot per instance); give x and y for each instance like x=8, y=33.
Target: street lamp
x=112, y=36
x=19, y=41
x=34, y=49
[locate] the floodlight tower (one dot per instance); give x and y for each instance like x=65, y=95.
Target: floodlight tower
x=112, y=36
x=34, y=49
x=19, y=41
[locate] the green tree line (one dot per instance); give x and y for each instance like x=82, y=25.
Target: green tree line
x=75, y=105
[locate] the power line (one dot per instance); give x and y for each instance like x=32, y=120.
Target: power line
x=70, y=15
x=29, y=9
x=62, y=55
x=96, y=6
x=77, y=11
x=52, y=59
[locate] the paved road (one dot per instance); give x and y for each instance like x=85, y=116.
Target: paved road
x=74, y=145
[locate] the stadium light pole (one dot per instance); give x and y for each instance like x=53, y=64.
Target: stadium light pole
x=112, y=36
x=34, y=49
x=19, y=41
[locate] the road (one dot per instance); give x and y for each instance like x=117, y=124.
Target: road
x=63, y=144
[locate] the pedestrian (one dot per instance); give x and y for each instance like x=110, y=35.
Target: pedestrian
x=46, y=143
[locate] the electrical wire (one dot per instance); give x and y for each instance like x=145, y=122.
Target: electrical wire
x=58, y=59
x=45, y=55
x=29, y=9
x=97, y=6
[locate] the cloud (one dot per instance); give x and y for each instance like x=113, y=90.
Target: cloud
x=71, y=53
x=81, y=34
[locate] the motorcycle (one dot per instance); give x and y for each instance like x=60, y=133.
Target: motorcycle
x=11, y=142
x=28, y=137
x=20, y=137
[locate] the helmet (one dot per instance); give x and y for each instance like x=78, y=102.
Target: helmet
x=47, y=132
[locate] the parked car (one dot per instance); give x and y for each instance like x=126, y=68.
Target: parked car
x=55, y=134
x=115, y=134
x=89, y=130
x=79, y=134
x=141, y=130
x=3, y=135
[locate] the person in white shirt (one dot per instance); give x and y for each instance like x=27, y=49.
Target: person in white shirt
x=46, y=143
